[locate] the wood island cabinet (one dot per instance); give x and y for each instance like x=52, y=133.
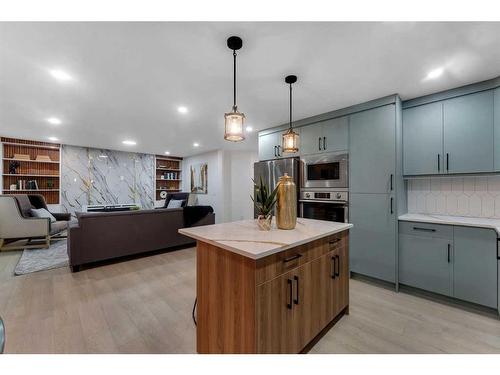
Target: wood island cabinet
x=276, y=304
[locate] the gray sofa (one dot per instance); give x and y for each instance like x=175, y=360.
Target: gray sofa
x=107, y=235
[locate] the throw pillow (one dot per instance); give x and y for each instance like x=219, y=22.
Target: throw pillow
x=175, y=203
x=42, y=212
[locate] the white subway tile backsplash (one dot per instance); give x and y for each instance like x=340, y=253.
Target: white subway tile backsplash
x=461, y=196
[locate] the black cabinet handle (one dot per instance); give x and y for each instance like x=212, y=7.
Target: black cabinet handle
x=447, y=161
x=279, y=151
x=290, y=288
x=296, y=300
x=337, y=270
x=324, y=143
x=392, y=210
x=392, y=177
x=424, y=229
x=333, y=242
x=449, y=253
x=275, y=152
x=319, y=143
x=439, y=163
x=334, y=261
x=293, y=257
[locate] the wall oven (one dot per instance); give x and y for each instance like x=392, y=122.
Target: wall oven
x=325, y=205
x=325, y=171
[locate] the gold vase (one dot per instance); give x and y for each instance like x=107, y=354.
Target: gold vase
x=286, y=206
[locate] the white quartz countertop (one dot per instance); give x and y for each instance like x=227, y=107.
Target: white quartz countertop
x=245, y=238
x=453, y=220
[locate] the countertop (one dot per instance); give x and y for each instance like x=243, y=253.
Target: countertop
x=453, y=220
x=245, y=238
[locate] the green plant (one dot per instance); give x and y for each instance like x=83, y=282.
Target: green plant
x=264, y=200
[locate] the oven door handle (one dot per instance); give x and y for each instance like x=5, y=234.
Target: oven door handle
x=343, y=203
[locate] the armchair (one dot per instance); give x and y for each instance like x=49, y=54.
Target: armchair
x=16, y=224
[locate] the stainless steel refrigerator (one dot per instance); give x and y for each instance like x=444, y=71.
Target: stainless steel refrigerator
x=272, y=170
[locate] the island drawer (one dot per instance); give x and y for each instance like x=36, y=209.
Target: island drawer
x=280, y=263
x=426, y=229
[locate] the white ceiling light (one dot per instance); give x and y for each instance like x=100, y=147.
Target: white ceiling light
x=182, y=109
x=196, y=144
x=129, y=142
x=249, y=129
x=435, y=73
x=167, y=152
x=54, y=121
x=53, y=139
x=60, y=75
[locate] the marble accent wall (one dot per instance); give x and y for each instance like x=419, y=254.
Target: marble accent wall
x=94, y=176
x=458, y=196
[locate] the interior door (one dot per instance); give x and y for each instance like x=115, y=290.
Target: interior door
x=276, y=316
x=373, y=236
x=372, y=150
x=468, y=133
x=423, y=139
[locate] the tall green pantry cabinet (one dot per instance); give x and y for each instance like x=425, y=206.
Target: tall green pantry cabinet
x=375, y=180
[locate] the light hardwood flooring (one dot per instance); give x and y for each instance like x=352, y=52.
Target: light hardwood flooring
x=144, y=306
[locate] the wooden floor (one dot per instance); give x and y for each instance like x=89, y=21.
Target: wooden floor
x=144, y=306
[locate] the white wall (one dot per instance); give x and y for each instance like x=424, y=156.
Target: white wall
x=229, y=180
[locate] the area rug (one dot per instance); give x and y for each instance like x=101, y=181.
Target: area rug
x=34, y=260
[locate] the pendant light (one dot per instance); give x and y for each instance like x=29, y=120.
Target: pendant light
x=234, y=121
x=290, y=138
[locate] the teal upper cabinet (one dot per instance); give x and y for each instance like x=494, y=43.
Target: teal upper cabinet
x=423, y=139
x=372, y=150
x=270, y=146
x=468, y=133
x=325, y=136
x=496, y=115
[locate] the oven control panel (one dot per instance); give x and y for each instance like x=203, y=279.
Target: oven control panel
x=324, y=195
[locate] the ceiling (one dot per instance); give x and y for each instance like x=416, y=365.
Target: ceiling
x=130, y=77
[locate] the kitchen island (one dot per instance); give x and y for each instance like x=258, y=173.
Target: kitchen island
x=269, y=292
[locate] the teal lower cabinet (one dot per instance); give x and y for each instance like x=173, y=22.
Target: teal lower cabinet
x=423, y=263
x=475, y=265
x=455, y=261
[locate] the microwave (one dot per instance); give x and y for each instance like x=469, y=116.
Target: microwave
x=325, y=171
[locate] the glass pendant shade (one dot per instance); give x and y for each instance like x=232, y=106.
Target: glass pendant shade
x=290, y=141
x=234, y=126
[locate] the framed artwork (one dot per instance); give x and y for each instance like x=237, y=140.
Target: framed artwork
x=199, y=178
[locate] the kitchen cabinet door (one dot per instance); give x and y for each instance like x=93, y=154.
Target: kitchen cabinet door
x=425, y=262
x=373, y=237
x=311, y=139
x=341, y=281
x=496, y=110
x=423, y=139
x=468, y=133
x=277, y=320
x=335, y=134
x=268, y=146
x=475, y=265
x=372, y=150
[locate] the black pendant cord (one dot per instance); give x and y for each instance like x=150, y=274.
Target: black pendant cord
x=290, y=105
x=234, y=81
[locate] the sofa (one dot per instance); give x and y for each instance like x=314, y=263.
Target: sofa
x=107, y=235
x=17, y=223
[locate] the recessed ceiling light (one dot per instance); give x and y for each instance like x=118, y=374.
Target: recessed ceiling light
x=435, y=73
x=129, y=142
x=54, y=121
x=167, y=152
x=60, y=75
x=53, y=139
x=249, y=129
x=182, y=109
x=196, y=144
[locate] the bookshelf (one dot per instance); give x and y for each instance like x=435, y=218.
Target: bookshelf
x=38, y=169
x=168, y=176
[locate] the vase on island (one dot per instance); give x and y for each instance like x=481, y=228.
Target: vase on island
x=286, y=206
x=264, y=222
x=264, y=202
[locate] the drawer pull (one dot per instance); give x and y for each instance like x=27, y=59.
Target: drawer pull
x=293, y=257
x=290, y=289
x=337, y=263
x=333, y=242
x=334, y=261
x=424, y=229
